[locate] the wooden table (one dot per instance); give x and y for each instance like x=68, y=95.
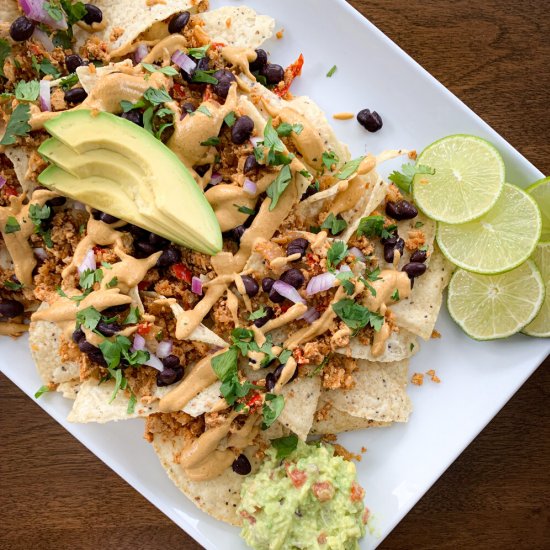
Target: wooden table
x=494, y=55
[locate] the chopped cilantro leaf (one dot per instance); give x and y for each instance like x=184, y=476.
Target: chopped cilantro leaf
x=106, y=265
x=54, y=11
x=331, y=71
x=169, y=71
x=198, y=53
x=88, y=317
x=211, y=141
x=278, y=186
x=89, y=277
x=12, y=225
x=271, y=137
x=344, y=278
x=225, y=364
x=357, y=316
x=157, y=96
x=204, y=76
x=27, y=91
x=349, y=168
x=113, y=282
x=131, y=404
x=39, y=213
x=11, y=285
x=305, y=173
x=75, y=11
x=242, y=339
x=45, y=67
x=230, y=118
x=41, y=391
x=285, y=129
x=204, y=110
x=418, y=224
x=330, y=158
x=68, y=81
x=404, y=178
x=333, y=224
x=336, y=253
x=18, y=124
x=273, y=406
x=372, y=226
x=258, y=314
x=395, y=295
x=285, y=445
x=132, y=318
x=284, y=356
x=245, y=210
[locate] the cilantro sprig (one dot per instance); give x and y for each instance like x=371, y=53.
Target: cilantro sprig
x=373, y=226
x=285, y=445
x=404, y=179
x=18, y=124
x=334, y=224
x=357, y=316
x=336, y=253
x=278, y=186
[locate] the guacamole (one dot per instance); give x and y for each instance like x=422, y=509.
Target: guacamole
x=308, y=500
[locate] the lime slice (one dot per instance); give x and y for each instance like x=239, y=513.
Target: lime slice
x=540, y=191
x=495, y=306
x=540, y=325
x=498, y=241
x=468, y=178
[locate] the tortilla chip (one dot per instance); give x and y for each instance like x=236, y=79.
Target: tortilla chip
x=218, y=497
x=44, y=341
x=93, y=404
x=69, y=389
x=419, y=312
x=127, y=19
x=9, y=11
x=237, y=26
x=19, y=157
x=379, y=392
x=301, y=397
x=89, y=79
x=200, y=404
x=400, y=345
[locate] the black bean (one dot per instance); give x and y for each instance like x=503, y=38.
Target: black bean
x=179, y=22
x=201, y=170
x=293, y=277
x=56, y=201
x=250, y=285
x=225, y=78
x=391, y=247
x=203, y=64
x=158, y=241
x=311, y=190
x=260, y=62
x=390, y=240
x=85, y=347
x=107, y=218
x=275, y=297
x=414, y=269
x=236, y=233
x=73, y=61
x=371, y=121
x=279, y=370
x=145, y=247
x=242, y=130
x=115, y=310
x=419, y=256
x=75, y=95
x=241, y=465
x=93, y=14
x=108, y=329
x=171, y=361
x=267, y=283
x=401, y=210
x=187, y=108
x=297, y=246
x=269, y=313
x=170, y=376
x=273, y=73
x=97, y=357
x=137, y=232
x=78, y=335
x=250, y=164
x=134, y=116
x=11, y=308
x=169, y=256
x=21, y=29
x=270, y=381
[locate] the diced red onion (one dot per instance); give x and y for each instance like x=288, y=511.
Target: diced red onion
x=141, y=51
x=310, y=315
x=2, y=181
x=40, y=36
x=196, y=286
x=320, y=283
x=249, y=187
x=40, y=253
x=34, y=9
x=88, y=263
x=184, y=62
x=256, y=140
x=154, y=362
x=354, y=251
x=45, y=96
x=288, y=291
x=139, y=342
x=164, y=349
x=216, y=178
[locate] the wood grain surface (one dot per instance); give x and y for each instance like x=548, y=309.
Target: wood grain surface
x=494, y=55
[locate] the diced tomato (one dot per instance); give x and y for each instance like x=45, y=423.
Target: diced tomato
x=285, y=307
x=207, y=93
x=298, y=477
x=322, y=538
x=254, y=401
x=217, y=45
x=182, y=272
x=323, y=490
x=291, y=72
x=97, y=250
x=356, y=492
x=10, y=191
x=310, y=259
x=143, y=285
x=366, y=515
x=248, y=517
x=144, y=328
x=178, y=91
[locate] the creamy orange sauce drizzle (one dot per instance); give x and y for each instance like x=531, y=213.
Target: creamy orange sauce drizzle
x=11, y=328
x=165, y=48
x=17, y=242
x=240, y=58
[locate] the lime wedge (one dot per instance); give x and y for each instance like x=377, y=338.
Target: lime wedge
x=468, y=178
x=540, y=325
x=540, y=191
x=498, y=241
x=495, y=306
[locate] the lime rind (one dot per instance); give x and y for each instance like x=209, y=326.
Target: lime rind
x=500, y=240
x=539, y=327
x=540, y=191
x=491, y=307
x=469, y=177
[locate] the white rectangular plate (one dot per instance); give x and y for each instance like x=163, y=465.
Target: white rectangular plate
x=402, y=462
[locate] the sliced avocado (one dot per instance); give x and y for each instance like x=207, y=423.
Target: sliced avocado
x=92, y=148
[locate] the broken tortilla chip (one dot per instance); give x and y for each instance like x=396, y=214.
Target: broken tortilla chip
x=400, y=345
